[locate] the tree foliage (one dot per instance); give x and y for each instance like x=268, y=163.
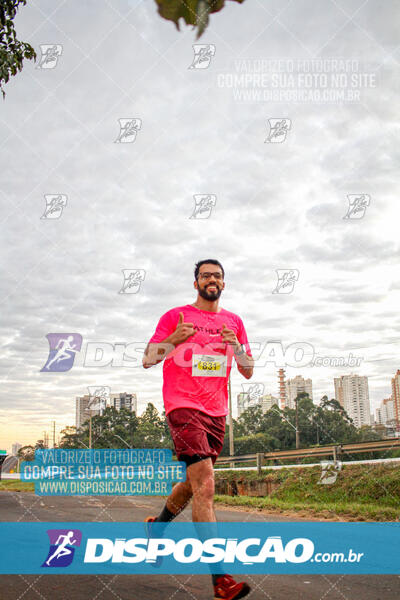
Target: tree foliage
x=12, y=51
x=121, y=429
x=193, y=12
x=325, y=424
x=26, y=452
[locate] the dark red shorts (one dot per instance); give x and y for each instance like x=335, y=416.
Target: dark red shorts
x=196, y=435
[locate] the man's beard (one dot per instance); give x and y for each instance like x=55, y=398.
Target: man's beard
x=211, y=296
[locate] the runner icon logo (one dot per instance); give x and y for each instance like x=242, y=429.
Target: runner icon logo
x=55, y=204
x=62, y=547
x=203, y=54
x=278, y=129
x=63, y=347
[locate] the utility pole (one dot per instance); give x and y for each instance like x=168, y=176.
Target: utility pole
x=297, y=423
x=54, y=434
x=230, y=421
x=45, y=439
x=90, y=431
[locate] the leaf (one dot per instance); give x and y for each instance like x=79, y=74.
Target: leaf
x=193, y=12
x=12, y=51
x=203, y=10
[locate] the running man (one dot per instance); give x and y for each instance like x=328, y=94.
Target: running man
x=62, y=549
x=63, y=348
x=198, y=342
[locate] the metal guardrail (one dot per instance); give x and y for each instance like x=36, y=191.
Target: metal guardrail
x=335, y=451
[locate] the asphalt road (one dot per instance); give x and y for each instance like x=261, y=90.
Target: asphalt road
x=18, y=506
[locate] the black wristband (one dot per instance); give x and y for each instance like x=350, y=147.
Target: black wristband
x=242, y=351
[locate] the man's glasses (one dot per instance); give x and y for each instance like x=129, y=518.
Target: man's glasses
x=209, y=275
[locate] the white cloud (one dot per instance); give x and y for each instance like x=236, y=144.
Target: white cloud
x=278, y=205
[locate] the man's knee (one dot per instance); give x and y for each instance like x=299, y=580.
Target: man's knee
x=201, y=477
x=187, y=487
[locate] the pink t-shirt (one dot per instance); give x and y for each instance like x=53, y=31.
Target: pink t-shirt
x=187, y=383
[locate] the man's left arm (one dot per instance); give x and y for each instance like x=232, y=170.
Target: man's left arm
x=244, y=361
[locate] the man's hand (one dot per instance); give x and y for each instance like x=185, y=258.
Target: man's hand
x=155, y=353
x=229, y=337
x=182, y=332
x=245, y=363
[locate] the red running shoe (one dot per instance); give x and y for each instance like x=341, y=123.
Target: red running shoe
x=147, y=523
x=226, y=588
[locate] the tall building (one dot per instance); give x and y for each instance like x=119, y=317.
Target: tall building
x=268, y=401
x=295, y=386
x=384, y=414
x=396, y=398
x=339, y=395
x=124, y=400
x=15, y=447
x=246, y=400
x=353, y=390
x=282, y=388
x=82, y=410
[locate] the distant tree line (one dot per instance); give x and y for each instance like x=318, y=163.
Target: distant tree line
x=324, y=424
x=254, y=431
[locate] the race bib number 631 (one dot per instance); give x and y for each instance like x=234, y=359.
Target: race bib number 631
x=208, y=366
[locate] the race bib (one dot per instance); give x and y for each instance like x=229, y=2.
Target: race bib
x=204, y=365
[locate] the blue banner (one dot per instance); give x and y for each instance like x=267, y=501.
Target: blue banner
x=251, y=548
x=103, y=472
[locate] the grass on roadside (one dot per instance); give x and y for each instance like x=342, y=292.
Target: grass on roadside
x=15, y=485
x=360, y=492
x=348, y=511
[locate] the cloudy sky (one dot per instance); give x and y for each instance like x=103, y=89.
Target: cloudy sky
x=279, y=200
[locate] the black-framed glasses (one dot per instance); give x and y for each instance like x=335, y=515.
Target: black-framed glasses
x=209, y=275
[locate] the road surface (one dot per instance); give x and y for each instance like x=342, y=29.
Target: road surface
x=24, y=506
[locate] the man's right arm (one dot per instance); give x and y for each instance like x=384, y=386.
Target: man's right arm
x=156, y=352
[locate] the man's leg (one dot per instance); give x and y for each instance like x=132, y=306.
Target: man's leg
x=176, y=501
x=199, y=484
x=201, y=477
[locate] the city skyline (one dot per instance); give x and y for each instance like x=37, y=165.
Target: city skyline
x=160, y=407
